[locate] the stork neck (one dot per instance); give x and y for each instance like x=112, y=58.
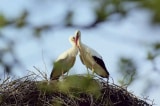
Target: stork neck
x=74, y=50
x=79, y=44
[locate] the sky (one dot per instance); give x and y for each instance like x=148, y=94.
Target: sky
x=129, y=37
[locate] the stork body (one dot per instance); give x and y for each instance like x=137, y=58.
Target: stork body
x=90, y=58
x=65, y=61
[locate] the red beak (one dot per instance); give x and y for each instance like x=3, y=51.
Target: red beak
x=77, y=37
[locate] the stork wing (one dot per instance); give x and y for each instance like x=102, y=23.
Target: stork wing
x=100, y=62
x=92, y=52
x=62, y=56
x=56, y=71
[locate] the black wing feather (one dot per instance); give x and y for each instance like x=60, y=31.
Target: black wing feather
x=101, y=63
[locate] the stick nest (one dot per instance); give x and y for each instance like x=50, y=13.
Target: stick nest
x=76, y=90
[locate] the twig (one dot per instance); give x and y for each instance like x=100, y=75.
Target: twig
x=41, y=73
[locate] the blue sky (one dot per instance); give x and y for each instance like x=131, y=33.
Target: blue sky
x=131, y=36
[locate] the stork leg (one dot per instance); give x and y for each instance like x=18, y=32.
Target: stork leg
x=62, y=74
x=87, y=71
x=93, y=70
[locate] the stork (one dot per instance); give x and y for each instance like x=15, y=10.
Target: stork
x=65, y=61
x=90, y=58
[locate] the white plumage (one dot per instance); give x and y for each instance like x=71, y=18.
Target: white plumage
x=90, y=58
x=65, y=61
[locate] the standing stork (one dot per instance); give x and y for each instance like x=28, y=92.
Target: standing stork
x=90, y=58
x=65, y=61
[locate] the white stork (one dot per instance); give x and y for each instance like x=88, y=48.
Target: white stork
x=90, y=58
x=65, y=61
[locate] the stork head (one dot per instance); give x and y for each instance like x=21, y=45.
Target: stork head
x=72, y=40
x=78, y=37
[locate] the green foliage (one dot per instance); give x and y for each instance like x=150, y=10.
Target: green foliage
x=155, y=52
x=152, y=5
x=150, y=56
x=119, y=7
x=103, y=11
x=72, y=85
x=37, y=30
x=21, y=21
x=101, y=14
x=153, y=56
x=47, y=87
x=156, y=46
x=127, y=69
x=8, y=49
x=3, y=21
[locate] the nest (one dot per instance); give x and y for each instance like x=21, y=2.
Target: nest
x=71, y=91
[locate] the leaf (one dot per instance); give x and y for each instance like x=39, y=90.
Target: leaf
x=3, y=21
x=20, y=22
x=157, y=46
x=127, y=69
x=150, y=56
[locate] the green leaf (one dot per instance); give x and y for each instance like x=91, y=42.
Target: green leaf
x=157, y=46
x=150, y=56
x=20, y=22
x=3, y=21
x=127, y=69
